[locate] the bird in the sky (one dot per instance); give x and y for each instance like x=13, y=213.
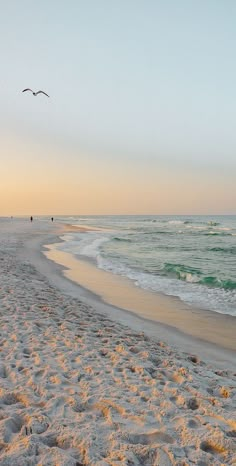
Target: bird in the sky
x=35, y=93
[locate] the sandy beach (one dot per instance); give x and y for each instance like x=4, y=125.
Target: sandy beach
x=85, y=383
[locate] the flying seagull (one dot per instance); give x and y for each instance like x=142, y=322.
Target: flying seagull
x=36, y=93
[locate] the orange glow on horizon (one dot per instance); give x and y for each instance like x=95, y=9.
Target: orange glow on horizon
x=58, y=185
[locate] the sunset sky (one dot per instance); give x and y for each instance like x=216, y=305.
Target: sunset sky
x=142, y=110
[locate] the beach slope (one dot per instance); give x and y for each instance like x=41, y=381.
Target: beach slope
x=77, y=388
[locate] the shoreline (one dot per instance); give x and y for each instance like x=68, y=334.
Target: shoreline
x=208, y=326
x=183, y=342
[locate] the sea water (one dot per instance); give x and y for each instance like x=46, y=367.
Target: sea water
x=191, y=257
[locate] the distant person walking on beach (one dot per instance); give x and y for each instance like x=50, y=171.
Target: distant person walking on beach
x=31, y=219
x=52, y=219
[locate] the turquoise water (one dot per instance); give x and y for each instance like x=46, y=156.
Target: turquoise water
x=191, y=257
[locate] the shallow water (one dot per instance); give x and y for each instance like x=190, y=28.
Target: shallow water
x=191, y=257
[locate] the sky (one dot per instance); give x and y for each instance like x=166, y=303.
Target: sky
x=142, y=107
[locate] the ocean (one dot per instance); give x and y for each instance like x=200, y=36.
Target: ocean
x=191, y=257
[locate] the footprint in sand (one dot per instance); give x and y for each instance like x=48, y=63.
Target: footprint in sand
x=211, y=448
x=9, y=399
x=150, y=438
x=36, y=425
x=50, y=440
x=193, y=424
x=193, y=404
x=12, y=426
x=3, y=371
x=194, y=359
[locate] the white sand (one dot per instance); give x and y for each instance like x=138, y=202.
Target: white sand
x=77, y=388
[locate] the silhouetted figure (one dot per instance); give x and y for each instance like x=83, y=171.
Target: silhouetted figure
x=31, y=219
x=52, y=219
